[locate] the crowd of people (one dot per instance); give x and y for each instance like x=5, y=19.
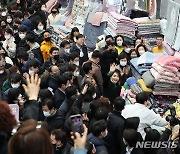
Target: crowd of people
x=51, y=83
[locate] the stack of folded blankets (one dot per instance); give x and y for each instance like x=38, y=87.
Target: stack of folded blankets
x=120, y=24
x=62, y=32
x=144, y=62
x=166, y=71
x=148, y=29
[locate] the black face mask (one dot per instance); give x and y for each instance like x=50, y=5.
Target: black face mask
x=48, y=39
x=56, y=57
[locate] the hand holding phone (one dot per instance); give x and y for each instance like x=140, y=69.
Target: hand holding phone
x=77, y=124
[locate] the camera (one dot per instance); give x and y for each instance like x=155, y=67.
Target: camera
x=172, y=117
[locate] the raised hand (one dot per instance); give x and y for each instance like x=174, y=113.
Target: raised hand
x=33, y=86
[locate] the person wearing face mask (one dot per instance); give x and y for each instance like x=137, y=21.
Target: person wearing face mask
x=54, y=17
x=127, y=48
x=54, y=59
x=99, y=132
x=95, y=59
x=141, y=49
x=20, y=38
x=112, y=87
x=52, y=115
x=87, y=68
x=9, y=20
x=108, y=57
x=34, y=67
x=119, y=43
x=38, y=31
x=15, y=25
x=65, y=50
x=80, y=48
x=8, y=44
x=101, y=45
x=13, y=82
x=116, y=125
x=124, y=68
x=8, y=60
x=77, y=76
x=4, y=73
x=34, y=47
x=46, y=45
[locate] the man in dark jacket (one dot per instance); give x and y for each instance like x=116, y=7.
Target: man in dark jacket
x=54, y=59
x=52, y=115
x=108, y=57
x=20, y=38
x=97, y=69
x=24, y=22
x=34, y=47
x=60, y=94
x=80, y=48
x=4, y=73
x=99, y=131
x=115, y=125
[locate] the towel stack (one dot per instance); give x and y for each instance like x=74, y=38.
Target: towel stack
x=122, y=25
x=148, y=29
x=165, y=70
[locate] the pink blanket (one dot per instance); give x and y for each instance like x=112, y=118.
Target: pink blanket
x=122, y=18
x=96, y=20
x=168, y=61
x=167, y=93
x=163, y=71
x=158, y=76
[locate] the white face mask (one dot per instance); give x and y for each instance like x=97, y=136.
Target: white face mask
x=127, y=50
x=67, y=51
x=46, y=114
x=76, y=73
x=1, y=71
x=90, y=54
x=22, y=36
x=40, y=27
x=31, y=72
x=7, y=37
x=119, y=43
x=9, y=20
x=123, y=63
x=76, y=63
x=94, y=96
x=17, y=85
x=141, y=52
